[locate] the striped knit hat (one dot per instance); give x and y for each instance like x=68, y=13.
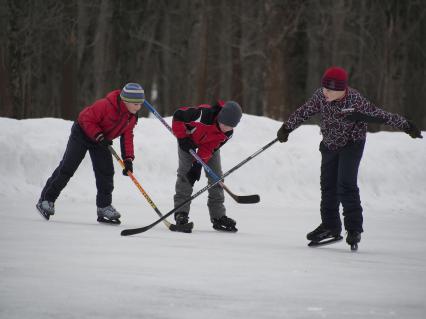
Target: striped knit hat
x=133, y=93
x=335, y=79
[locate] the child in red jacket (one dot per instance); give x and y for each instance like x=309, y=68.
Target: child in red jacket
x=97, y=125
x=206, y=128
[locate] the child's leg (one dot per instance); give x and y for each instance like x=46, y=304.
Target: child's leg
x=348, y=190
x=183, y=188
x=104, y=173
x=216, y=197
x=75, y=151
x=329, y=201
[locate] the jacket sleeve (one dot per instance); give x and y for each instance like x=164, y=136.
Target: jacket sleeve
x=369, y=113
x=304, y=112
x=126, y=143
x=91, y=116
x=181, y=117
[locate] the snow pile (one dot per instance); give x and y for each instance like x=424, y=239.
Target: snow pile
x=393, y=163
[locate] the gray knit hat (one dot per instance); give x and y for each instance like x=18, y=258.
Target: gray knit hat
x=230, y=114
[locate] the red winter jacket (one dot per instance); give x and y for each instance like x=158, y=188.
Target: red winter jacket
x=110, y=117
x=200, y=124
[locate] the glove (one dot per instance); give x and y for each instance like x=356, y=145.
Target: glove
x=128, y=166
x=194, y=173
x=413, y=131
x=103, y=141
x=186, y=144
x=283, y=133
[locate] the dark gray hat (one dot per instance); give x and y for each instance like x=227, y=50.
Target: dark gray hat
x=230, y=114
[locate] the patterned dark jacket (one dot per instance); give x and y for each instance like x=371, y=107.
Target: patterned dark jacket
x=337, y=131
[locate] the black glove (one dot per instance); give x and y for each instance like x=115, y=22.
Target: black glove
x=103, y=141
x=194, y=173
x=128, y=166
x=187, y=144
x=283, y=133
x=413, y=131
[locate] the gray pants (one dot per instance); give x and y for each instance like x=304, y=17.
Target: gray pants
x=184, y=188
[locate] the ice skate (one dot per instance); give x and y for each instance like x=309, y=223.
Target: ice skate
x=46, y=208
x=353, y=238
x=182, y=223
x=224, y=223
x=108, y=215
x=322, y=236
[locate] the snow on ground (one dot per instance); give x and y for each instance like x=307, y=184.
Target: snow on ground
x=72, y=267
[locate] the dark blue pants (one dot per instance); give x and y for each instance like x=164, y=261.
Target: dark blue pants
x=339, y=175
x=77, y=147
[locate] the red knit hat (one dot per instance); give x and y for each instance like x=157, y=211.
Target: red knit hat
x=335, y=79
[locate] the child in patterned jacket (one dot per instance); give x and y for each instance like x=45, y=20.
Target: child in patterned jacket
x=344, y=114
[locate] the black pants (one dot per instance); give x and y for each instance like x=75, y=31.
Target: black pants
x=339, y=175
x=78, y=145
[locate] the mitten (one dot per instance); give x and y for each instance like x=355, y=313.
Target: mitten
x=186, y=144
x=194, y=173
x=103, y=141
x=413, y=131
x=128, y=166
x=283, y=133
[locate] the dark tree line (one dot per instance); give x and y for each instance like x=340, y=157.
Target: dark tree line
x=58, y=56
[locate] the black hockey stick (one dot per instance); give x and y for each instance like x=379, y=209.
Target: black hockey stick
x=134, y=231
x=169, y=225
x=241, y=199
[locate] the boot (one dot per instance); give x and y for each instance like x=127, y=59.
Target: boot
x=46, y=208
x=182, y=223
x=224, y=223
x=108, y=215
x=320, y=233
x=353, y=237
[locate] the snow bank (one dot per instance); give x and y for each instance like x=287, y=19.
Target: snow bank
x=392, y=169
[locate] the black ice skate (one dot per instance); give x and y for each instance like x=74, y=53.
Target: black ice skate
x=108, y=215
x=353, y=238
x=46, y=208
x=322, y=236
x=182, y=223
x=224, y=223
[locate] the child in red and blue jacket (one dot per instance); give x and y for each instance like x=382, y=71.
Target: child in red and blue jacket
x=206, y=128
x=344, y=114
x=97, y=125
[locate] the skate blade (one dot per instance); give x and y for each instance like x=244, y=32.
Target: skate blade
x=186, y=228
x=109, y=221
x=42, y=213
x=325, y=242
x=354, y=247
x=225, y=230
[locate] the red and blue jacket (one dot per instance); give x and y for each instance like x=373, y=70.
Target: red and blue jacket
x=109, y=116
x=200, y=124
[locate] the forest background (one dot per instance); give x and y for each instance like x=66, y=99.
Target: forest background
x=57, y=57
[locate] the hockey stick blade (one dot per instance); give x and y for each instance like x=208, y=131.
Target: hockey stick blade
x=241, y=199
x=246, y=199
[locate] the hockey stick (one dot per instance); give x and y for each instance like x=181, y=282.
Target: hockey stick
x=169, y=225
x=241, y=199
x=134, y=231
